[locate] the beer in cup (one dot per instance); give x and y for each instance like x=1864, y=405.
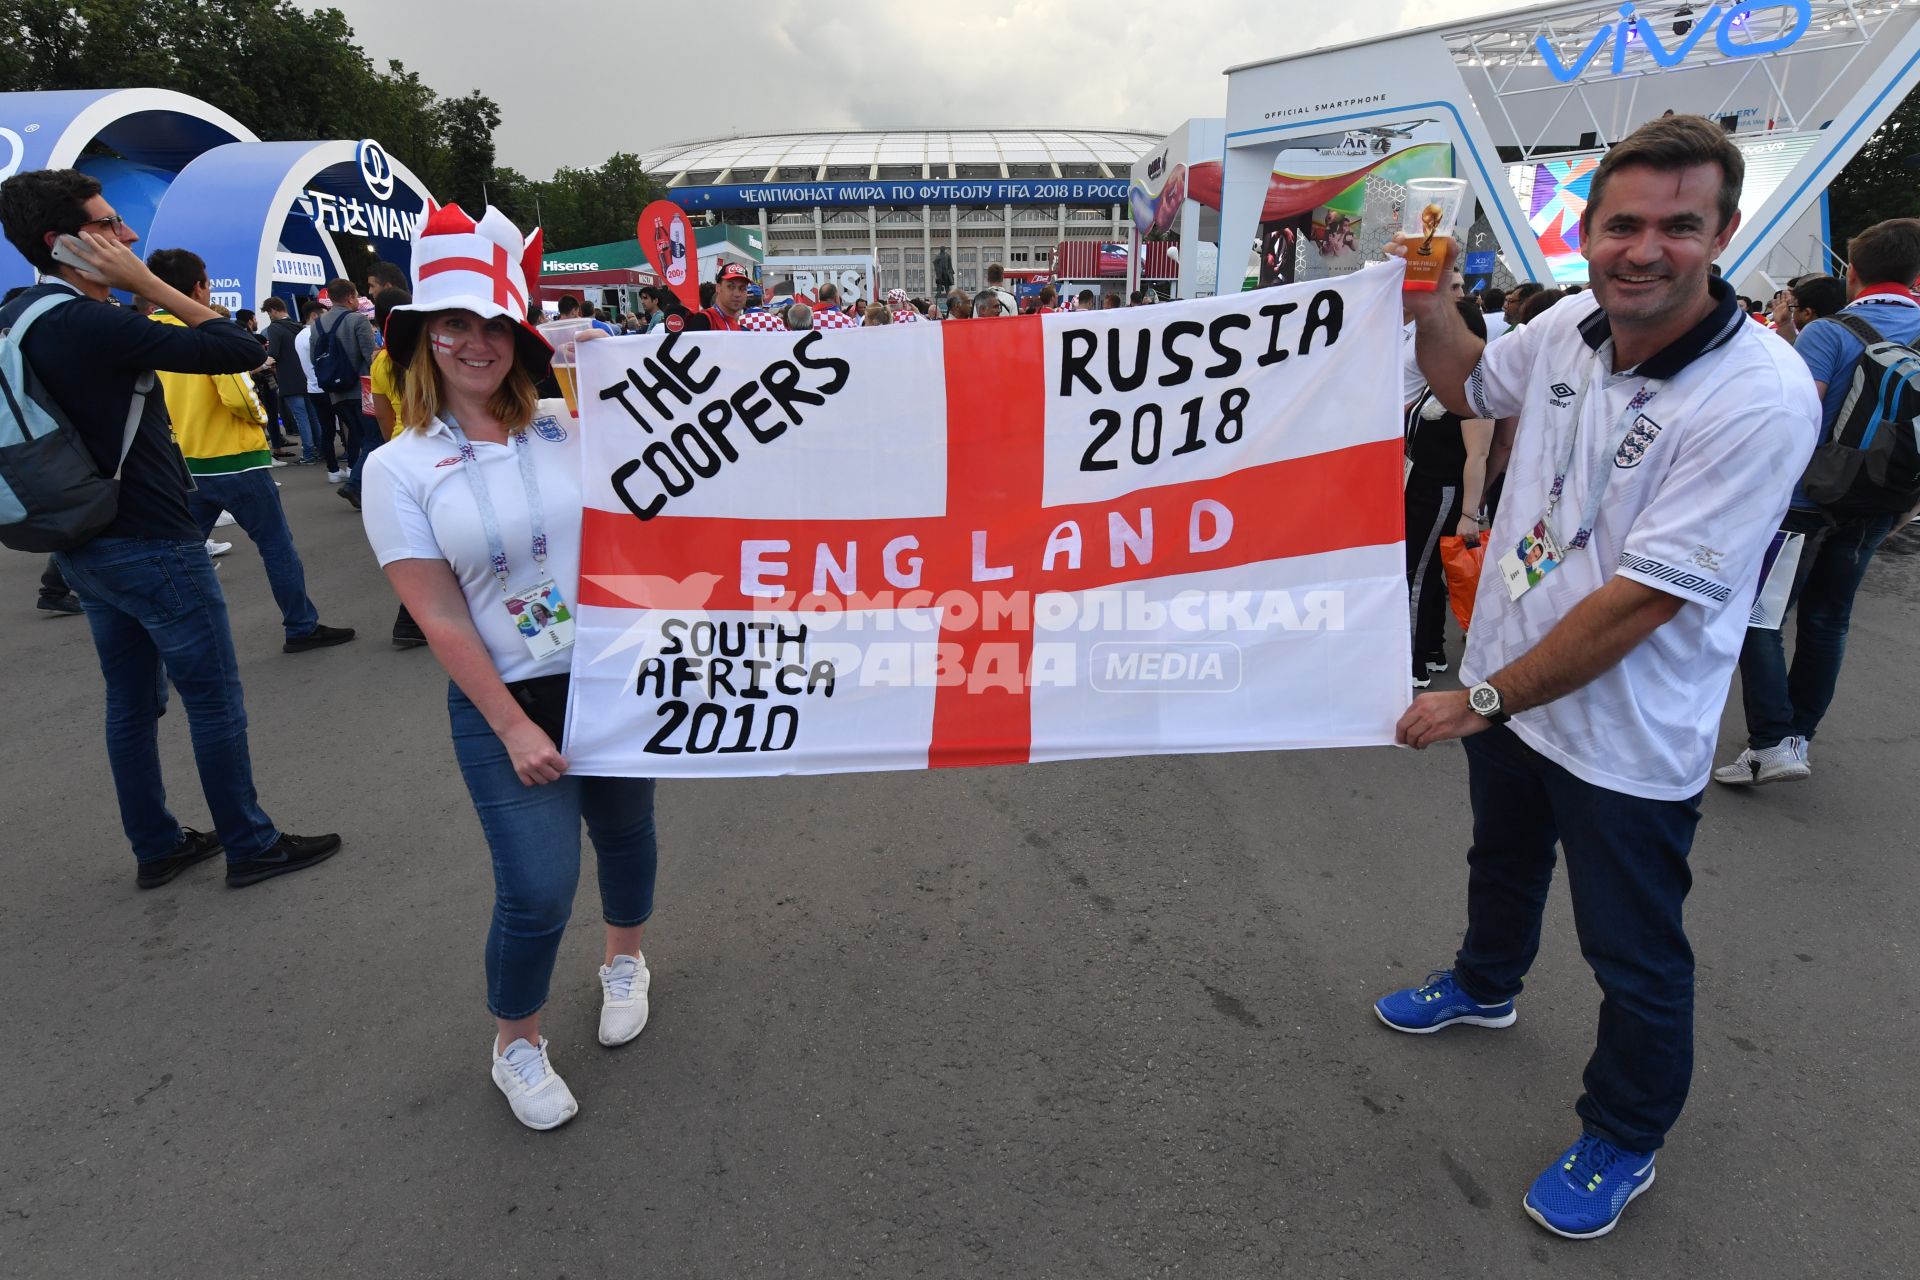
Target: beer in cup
x=1426, y=228
x=563, y=334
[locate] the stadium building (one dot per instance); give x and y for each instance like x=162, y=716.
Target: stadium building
x=992, y=195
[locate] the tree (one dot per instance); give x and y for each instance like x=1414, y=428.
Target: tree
x=1881, y=181
x=286, y=74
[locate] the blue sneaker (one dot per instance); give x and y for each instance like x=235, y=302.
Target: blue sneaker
x=1583, y=1193
x=1440, y=1003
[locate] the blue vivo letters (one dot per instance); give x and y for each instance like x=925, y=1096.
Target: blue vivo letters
x=1630, y=29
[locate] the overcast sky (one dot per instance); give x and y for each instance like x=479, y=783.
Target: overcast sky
x=577, y=80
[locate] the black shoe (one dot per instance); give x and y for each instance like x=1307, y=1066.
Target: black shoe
x=321, y=637
x=406, y=632
x=289, y=853
x=351, y=495
x=68, y=603
x=194, y=846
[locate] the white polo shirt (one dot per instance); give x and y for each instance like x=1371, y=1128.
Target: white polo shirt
x=1693, y=495
x=416, y=504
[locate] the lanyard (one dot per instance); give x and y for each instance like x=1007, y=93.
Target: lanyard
x=483, y=500
x=1598, y=472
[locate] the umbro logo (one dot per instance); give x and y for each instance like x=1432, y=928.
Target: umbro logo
x=1562, y=395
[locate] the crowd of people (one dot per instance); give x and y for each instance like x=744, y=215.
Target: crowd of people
x=1625, y=450
x=727, y=306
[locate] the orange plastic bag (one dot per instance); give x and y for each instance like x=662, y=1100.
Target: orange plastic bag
x=1461, y=562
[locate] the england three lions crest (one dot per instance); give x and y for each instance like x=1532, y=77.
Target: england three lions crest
x=1639, y=439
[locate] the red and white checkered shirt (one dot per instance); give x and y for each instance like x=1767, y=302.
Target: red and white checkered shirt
x=833, y=318
x=761, y=322
x=907, y=315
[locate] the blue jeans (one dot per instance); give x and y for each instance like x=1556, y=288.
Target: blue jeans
x=1628, y=876
x=255, y=502
x=533, y=834
x=299, y=406
x=157, y=614
x=369, y=441
x=1782, y=703
x=342, y=416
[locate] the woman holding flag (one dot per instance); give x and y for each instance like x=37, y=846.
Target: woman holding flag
x=475, y=516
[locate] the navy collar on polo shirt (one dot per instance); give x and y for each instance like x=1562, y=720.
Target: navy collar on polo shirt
x=1718, y=329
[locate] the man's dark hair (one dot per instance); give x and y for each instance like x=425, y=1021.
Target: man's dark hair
x=587, y=310
x=1047, y=295
x=1525, y=290
x=273, y=306
x=1086, y=296
x=1887, y=252
x=42, y=200
x=568, y=305
x=995, y=272
x=1669, y=144
x=1470, y=312
x=309, y=308
x=340, y=290
x=1537, y=305
x=707, y=288
x=391, y=296
x=1493, y=300
x=1109, y=302
x=388, y=274
x=1822, y=295
x=181, y=268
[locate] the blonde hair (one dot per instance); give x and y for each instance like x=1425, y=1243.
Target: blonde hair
x=512, y=403
x=878, y=314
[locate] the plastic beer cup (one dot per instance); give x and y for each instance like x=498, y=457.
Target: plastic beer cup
x=563, y=334
x=1426, y=228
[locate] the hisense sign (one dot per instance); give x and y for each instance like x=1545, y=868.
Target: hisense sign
x=1633, y=31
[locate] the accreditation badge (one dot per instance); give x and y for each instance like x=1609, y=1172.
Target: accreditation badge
x=541, y=616
x=1536, y=556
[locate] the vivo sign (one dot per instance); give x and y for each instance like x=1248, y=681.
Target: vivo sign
x=1630, y=31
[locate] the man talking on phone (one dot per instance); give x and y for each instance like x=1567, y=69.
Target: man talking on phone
x=145, y=582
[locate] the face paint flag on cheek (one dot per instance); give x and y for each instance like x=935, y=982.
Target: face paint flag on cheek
x=441, y=346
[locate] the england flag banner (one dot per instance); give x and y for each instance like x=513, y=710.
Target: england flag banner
x=1174, y=528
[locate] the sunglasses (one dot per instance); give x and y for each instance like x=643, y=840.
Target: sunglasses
x=111, y=223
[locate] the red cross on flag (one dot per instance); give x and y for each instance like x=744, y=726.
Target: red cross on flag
x=1164, y=529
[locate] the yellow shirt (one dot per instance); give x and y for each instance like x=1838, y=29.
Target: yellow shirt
x=217, y=420
x=385, y=377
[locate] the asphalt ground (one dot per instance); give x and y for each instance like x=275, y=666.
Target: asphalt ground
x=1089, y=1019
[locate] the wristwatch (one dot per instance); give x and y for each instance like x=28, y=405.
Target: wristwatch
x=1485, y=701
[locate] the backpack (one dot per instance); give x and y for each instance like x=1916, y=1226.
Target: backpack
x=333, y=368
x=52, y=496
x=1869, y=462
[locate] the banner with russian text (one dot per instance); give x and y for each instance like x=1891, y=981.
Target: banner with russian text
x=1173, y=528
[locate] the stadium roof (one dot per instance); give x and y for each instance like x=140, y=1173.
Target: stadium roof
x=911, y=153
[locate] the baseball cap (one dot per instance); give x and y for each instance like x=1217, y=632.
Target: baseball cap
x=731, y=271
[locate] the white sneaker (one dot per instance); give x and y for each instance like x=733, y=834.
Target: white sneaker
x=623, y=1004
x=279, y=462
x=539, y=1097
x=1786, y=761
x=335, y=477
x=225, y=521
x=218, y=548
